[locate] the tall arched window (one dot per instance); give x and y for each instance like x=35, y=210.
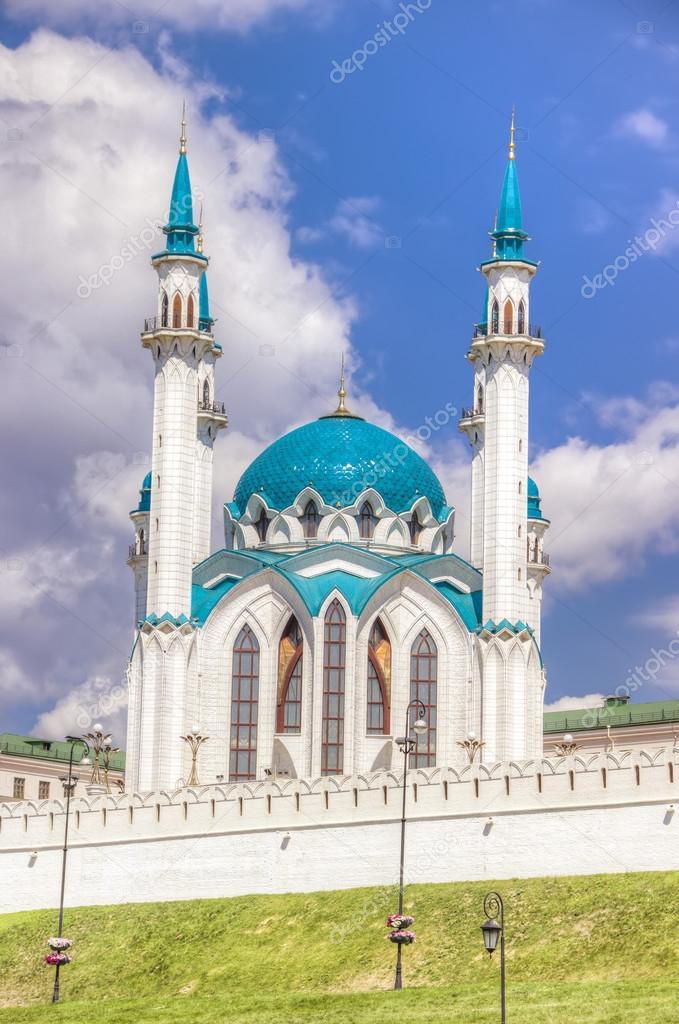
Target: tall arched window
x=289, y=711
x=164, y=310
x=379, y=678
x=479, y=399
x=262, y=525
x=142, y=542
x=189, y=312
x=521, y=326
x=423, y=675
x=367, y=520
x=508, y=318
x=177, y=310
x=244, y=707
x=206, y=392
x=310, y=520
x=415, y=528
x=334, y=661
x=495, y=317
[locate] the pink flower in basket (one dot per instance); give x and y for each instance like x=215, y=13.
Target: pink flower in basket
x=58, y=943
x=402, y=936
x=399, y=921
x=58, y=959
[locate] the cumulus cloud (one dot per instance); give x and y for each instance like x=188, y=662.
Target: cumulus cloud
x=611, y=505
x=79, y=709
x=353, y=220
x=230, y=15
x=643, y=125
x=663, y=615
x=588, y=700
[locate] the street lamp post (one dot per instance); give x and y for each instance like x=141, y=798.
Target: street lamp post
x=69, y=782
x=406, y=745
x=195, y=740
x=493, y=930
x=567, y=747
x=472, y=745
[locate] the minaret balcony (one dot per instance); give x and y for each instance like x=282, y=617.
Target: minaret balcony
x=172, y=324
x=136, y=553
x=214, y=411
x=538, y=562
x=472, y=418
x=484, y=331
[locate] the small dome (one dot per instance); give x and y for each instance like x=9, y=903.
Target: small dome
x=340, y=456
x=145, y=495
x=534, y=510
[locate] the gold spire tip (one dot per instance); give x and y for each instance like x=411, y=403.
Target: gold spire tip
x=182, y=138
x=512, y=134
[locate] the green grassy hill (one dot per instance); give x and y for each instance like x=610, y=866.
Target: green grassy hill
x=598, y=949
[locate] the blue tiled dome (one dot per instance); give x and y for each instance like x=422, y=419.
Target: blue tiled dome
x=339, y=456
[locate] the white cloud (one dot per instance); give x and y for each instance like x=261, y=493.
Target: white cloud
x=144, y=15
x=644, y=125
x=611, y=505
x=664, y=614
x=588, y=700
x=354, y=220
x=13, y=679
x=79, y=709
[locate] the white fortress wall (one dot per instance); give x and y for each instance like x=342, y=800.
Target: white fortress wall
x=574, y=815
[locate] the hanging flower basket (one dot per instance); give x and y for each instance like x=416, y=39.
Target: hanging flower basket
x=402, y=937
x=397, y=922
x=59, y=943
x=58, y=959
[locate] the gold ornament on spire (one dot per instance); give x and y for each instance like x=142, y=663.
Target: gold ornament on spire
x=199, y=238
x=182, y=138
x=341, y=409
x=512, y=133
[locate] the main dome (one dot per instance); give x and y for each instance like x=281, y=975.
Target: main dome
x=340, y=456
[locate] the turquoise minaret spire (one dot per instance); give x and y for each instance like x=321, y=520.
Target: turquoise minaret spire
x=508, y=235
x=205, y=321
x=180, y=229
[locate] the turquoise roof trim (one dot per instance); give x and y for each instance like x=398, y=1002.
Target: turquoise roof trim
x=339, y=457
x=205, y=321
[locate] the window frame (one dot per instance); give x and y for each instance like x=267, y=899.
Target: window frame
x=424, y=754
x=237, y=700
x=337, y=766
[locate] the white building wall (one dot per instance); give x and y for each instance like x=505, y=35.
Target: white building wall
x=560, y=817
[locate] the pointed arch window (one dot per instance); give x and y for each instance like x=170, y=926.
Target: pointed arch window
x=379, y=679
x=262, y=525
x=177, y=310
x=142, y=542
x=164, y=310
x=521, y=326
x=289, y=710
x=310, y=520
x=495, y=317
x=190, y=312
x=508, y=318
x=244, y=707
x=334, y=662
x=206, y=393
x=415, y=528
x=423, y=686
x=367, y=521
x=479, y=399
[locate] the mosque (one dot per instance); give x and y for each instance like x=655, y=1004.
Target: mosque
x=336, y=599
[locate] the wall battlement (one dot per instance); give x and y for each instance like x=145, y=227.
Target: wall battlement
x=569, y=815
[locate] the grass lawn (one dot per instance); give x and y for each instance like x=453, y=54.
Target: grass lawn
x=595, y=950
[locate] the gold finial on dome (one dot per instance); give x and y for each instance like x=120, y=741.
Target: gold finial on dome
x=341, y=409
x=182, y=138
x=512, y=134
x=199, y=238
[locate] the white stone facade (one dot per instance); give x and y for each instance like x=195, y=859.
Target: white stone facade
x=565, y=816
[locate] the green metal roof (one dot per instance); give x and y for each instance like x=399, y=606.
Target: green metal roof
x=47, y=750
x=616, y=715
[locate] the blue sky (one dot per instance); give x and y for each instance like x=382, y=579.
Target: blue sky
x=412, y=146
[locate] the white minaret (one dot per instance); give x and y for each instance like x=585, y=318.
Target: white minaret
x=186, y=419
x=502, y=353
x=185, y=416
x=138, y=557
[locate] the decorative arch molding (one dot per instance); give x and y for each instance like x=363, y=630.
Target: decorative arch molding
x=339, y=528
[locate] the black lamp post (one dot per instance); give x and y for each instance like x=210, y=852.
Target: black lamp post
x=69, y=782
x=493, y=932
x=406, y=745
